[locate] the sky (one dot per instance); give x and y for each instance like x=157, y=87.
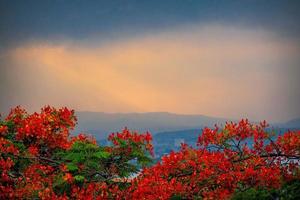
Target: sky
x=233, y=59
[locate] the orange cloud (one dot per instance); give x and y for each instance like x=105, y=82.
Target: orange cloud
x=212, y=70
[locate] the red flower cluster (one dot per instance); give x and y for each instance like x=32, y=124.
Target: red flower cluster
x=50, y=127
x=26, y=145
x=7, y=151
x=83, y=138
x=225, y=162
x=124, y=140
x=3, y=129
x=39, y=159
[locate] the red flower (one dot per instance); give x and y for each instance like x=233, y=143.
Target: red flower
x=68, y=178
x=3, y=129
x=33, y=150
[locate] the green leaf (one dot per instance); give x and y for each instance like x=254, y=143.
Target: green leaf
x=144, y=160
x=136, y=153
x=101, y=154
x=175, y=197
x=72, y=167
x=75, y=157
x=92, y=164
x=79, y=178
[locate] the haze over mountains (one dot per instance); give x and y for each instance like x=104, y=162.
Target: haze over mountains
x=294, y=123
x=101, y=124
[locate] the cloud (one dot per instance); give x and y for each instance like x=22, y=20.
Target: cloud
x=214, y=70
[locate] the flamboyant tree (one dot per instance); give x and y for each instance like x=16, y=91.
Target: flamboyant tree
x=233, y=159
x=39, y=159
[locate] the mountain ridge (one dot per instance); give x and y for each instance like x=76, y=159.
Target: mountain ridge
x=100, y=124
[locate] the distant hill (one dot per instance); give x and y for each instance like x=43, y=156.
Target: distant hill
x=295, y=123
x=164, y=142
x=101, y=124
x=168, y=129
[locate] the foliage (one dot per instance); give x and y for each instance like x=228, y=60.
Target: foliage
x=224, y=163
x=289, y=191
x=39, y=159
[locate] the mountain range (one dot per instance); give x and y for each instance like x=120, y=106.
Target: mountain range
x=100, y=124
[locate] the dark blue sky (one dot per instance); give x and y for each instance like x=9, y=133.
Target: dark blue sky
x=77, y=19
